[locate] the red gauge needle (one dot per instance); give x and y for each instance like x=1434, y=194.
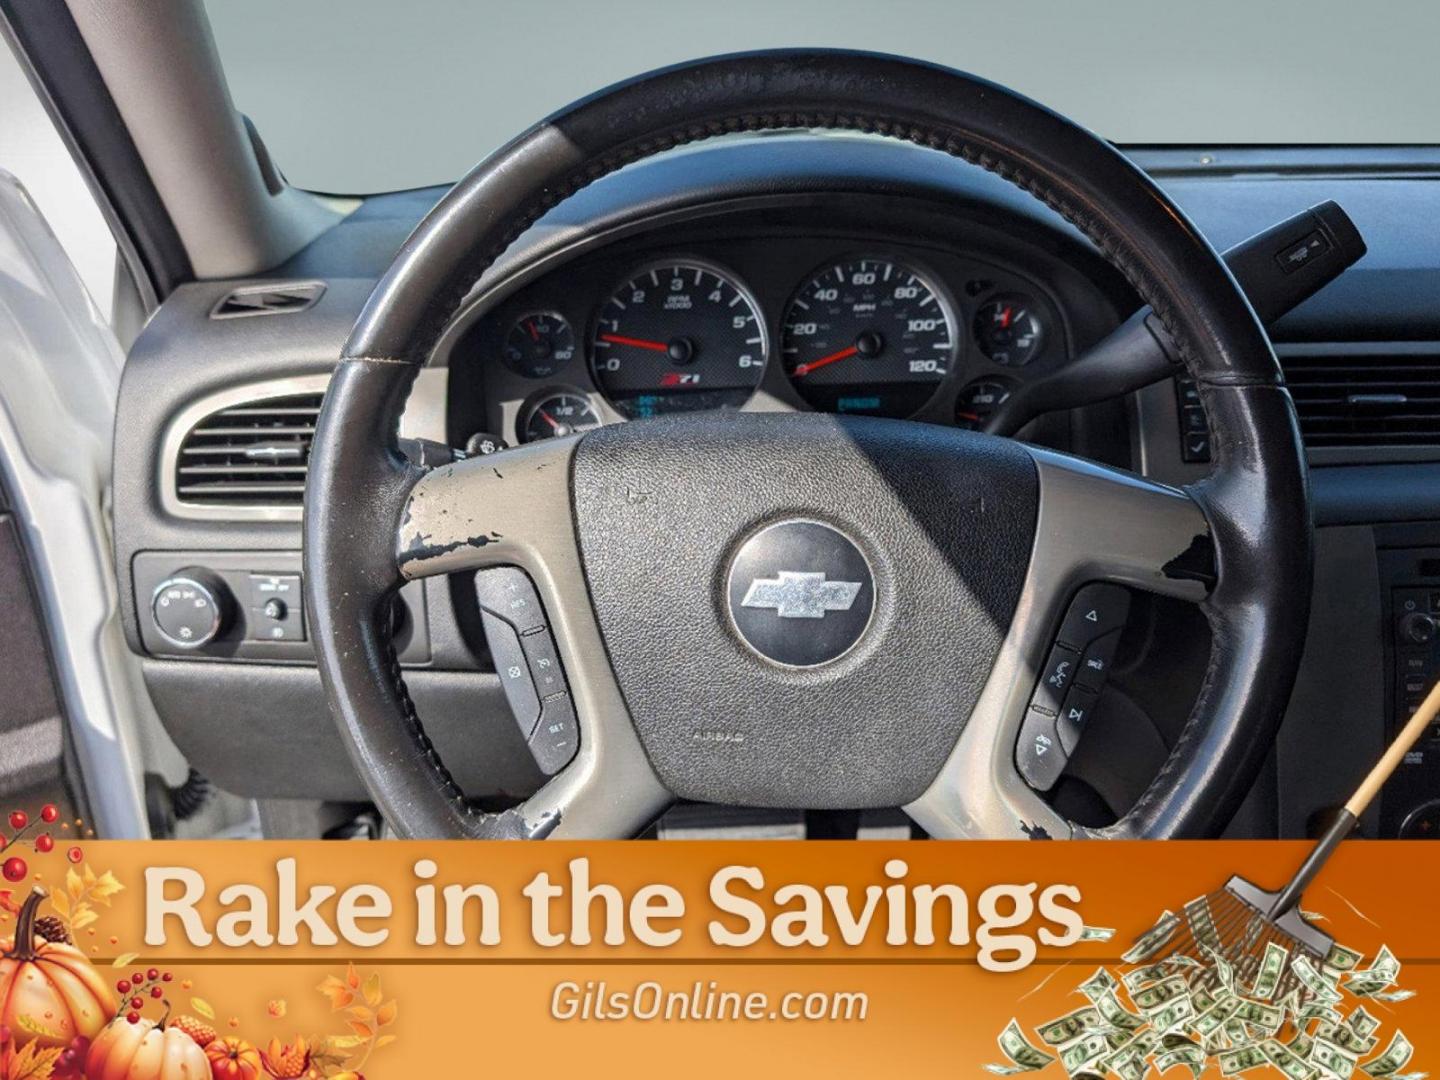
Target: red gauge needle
x=639, y=343
x=549, y=419
x=533, y=332
x=816, y=365
x=1005, y=317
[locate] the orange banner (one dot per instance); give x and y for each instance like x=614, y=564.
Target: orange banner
x=834, y=959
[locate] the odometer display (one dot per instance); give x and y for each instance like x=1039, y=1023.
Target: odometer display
x=677, y=337
x=869, y=336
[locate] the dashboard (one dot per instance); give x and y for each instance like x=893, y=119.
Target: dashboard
x=871, y=307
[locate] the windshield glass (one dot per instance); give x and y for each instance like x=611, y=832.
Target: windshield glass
x=359, y=96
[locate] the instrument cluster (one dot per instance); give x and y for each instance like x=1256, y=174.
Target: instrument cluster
x=757, y=323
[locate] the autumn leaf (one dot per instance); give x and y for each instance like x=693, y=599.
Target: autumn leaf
x=365, y=1031
x=124, y=959
x=73, y=884
x=336, y=1044
x=352, y=977
x=203, y=1007
x=33, y=1063
x=386, y=1013
x=7, y=902
x=361, y=1013
x=105, y=888
x=339, y=994
x=61, y=903
x=372, y=990
x=88, y=876
x=384, y=1040
x=84, y=915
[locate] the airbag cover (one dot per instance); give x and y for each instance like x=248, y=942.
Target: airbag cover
x=945, y=521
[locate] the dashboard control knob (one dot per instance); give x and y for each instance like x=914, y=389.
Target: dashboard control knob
x=1417, y=627
x=191, y=607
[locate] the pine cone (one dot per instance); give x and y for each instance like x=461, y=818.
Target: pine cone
x=52, y=929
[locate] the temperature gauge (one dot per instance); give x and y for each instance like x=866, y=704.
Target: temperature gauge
x=538, y=345
x=557, y=412
x=1008, y=330
x=978, y=401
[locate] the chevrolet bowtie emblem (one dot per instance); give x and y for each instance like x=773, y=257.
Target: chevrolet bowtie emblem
x=800, y=595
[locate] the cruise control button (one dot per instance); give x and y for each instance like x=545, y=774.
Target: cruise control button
x=506, y=591
x=514, y=672
x=1038, y=754
x=1055, y=678
x=544, y=663
x=1095, y=661
x=557, y=736
x=1074, y=715
x=1096, y=610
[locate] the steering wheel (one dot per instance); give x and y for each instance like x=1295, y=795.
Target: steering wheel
x=948, y=557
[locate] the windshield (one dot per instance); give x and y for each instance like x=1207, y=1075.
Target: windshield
x=360, y=96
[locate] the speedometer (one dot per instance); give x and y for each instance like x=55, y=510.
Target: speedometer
x=676, y=337
x=870, y=336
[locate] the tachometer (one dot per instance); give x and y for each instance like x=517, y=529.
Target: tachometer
x=676, y=337
x=870, y=336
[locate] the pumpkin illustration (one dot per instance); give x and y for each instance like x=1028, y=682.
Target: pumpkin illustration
x=50, y=984
x=145, y=1050
x=233, y=1059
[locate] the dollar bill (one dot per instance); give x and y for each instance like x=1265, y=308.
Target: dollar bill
x=1083, y=1052
x=1150, y=998
x=1313, y=981
x=1347, y=1038
x=1287, y=1061
x=1153, y=940
x=1148, y=973
x=1023, y=1057
x=1302, y=1044
x=1190, y=1056
x=1272, y=966
x=1102, y=982
x=1213, y=1018
x=1342, y=959
x=1381, y=973
x=1070, y=1026
x=1392, y=996
x=1223, y=971
x=1096, y=933
x=1361, y=1022
x=1173, y=1015
x=1334, y=1060
x=1242, y=1059
x=1267, y=1017
x=1116, y=1015
x=1396, y=1056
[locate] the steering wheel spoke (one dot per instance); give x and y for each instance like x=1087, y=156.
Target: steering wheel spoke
x=1095, y=525
x=514, y=509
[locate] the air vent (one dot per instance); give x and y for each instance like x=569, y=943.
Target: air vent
x=252, y=454
x=1365, y=397
x=274, y=299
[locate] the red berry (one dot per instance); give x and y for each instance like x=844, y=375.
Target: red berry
x=137, y=1003
x=138, y=978
x=152, y=974
x=68, y=1058
x=133, y=1017
x=49, y=813
x=15, y=869
x=19, y=819
x=156, y=992
x=166, y=977
x=75, y=854
x=123, y=986
x=44, y=843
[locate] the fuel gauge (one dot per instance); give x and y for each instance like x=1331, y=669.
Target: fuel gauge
x=553, y=413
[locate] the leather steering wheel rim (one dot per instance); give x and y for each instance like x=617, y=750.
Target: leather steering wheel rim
x=1255, y=501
